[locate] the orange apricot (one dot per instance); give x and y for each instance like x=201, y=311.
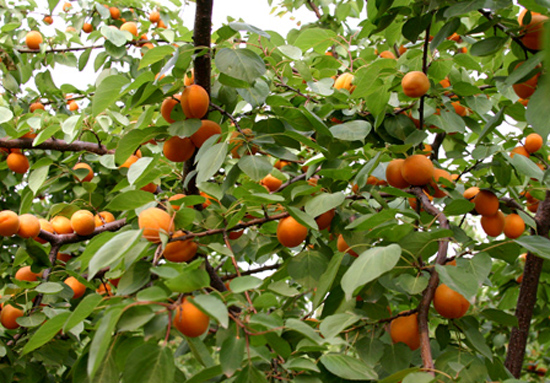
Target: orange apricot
x=151, y=187
x=450, y=304
x=324, y=220
x=33, y=39
x=78, y=288
x=387, y=55
x=415, y=84
x=25, y=274
x=18, y=163
x=83, y=222
x=189, y=320
x=343, y=247
x=527, y=88
x=88, y=177
x=29, y=227
x=534, y=31
x=87, y=28
x=533, y=143
x=271, y=183
x=394, y=175
x=62, y=225
x=493, y=225
x=290, y=232
x=176, y=197
x=104, y=288
x=153, y=221
x=46, y=226
x=486, y=203
x=514, y=226
x=9, y=223
x=345, y=81
x=178, y=149
x=64, y=257
x=405, y=329
x=168, y=106
x=417, y=170
x=8, y=317
x=130, y=26
x=48, y=20
x=115, y=13
x=129, y=161
x=102, y=218
x=208, y=129
x=440, y=173
x=189, y=78
x=73, y=106
x=35, y=106
x=154, y=17
x=238, y=140
x=180, y=251
x=195, y=101
x=519, y=150
x=459, y=109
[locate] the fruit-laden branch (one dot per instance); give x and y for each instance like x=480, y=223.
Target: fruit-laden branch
x=59, y=145
x=76, y=49
x=527, y=294
x=64, y=239
x=428, y=293
x=503, y=28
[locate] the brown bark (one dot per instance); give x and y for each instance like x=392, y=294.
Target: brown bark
x=202, y=38
x=59, y=145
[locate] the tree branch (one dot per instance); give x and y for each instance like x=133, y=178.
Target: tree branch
x=64, y=239
x=503, y=28
x=297, y=91
x=425, y=70
x=314, y=8
x=59, y=145
x=251, y=272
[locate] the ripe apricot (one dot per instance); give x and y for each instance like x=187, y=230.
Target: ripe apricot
x=61, y=225
x=161, y=24
x=25, y=274
x=208, y=129
x=87, y=28
x=115, y=13
x=440, y=173
x=402, y=50
x=35, y=106
x=63, y=257
x=130, y=26
x=533, y=143
x=180, y=251
x=415, y=84
x=290, y=232
x=514, y=226
x=78, y=288
x=189, y=320
x=493, y=224
x=102, y=218
x=459, y=109
x=271, y=183
x=324, y=220
x=238, y=140
x=178, y=149
x=176, y=197
x=48, y=20
x=534, y=31
x=129, y=161
x=189, y=78
x=83, y=222
x=445, y=83
x=344, y=81
x=67, y=7
x=450, y=304
x=88, y=177
x=455, y=37
x=151, y=187
x=70, y=29
x=29, y=227
x=343, y=247
x=46, y=226
x=417, y=170
x=208, y=201
x=104, y=288
x=195, y=101
x=168, y=106
x=533, y=206
x=387, y=55
x=486, y=203
x=8, y=317
x=18, y=163
x=154, y=220
x=280, y=164
x=9, y=223
x=73, y=106
x=519, y=150
x=394, y=175
x=405, y=329
x=154, y=17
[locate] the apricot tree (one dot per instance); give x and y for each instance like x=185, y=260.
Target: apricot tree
x=238, y=205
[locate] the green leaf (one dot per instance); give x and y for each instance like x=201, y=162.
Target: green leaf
x=237, y=26
x=304, y=329
x=327, y=279
x=412, y=284
x=5, y=114
x=536, y=110
x=307, y=268
x=185, y=128
x=113, y=250
x=37, y=178
x=526, y=167
x=214, y=307
x=134, y=318
x=323, y=202
x=419, y=377
x=149, y=363
x=535, y=244
x=242, y=64
x=211, y=162
x=250, y=374
x=489, y=46
x=107, y=92
x=102, y=339
x=255, y=167
x=86, y=306
x=140, y=168
x=247, y=282
x=368, y=266
x=301, y=364
x=130, y=200
x=347, y=367
x=188, y=281
x=137, y=276
x=474, y=336
x=458, y=207
x=500, y=317
x=49, y=288
x=318, y=39
x=46, y=332
x=155, y=55
x=356, y=130
x=333, y=325
x=205, y=375
x=302, y=218
x=231, y=355
x=153, y=293
x=114, y=35
x=131, y=141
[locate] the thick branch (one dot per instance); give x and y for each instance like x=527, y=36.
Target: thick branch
x=425, y=70
x=527, y=294
x=63, y=239
x=59, y=145
x=428, y=293
x=201, y=39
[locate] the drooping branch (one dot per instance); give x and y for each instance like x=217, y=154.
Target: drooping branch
x=59, y=145
x=428, y=293
x=527, y=294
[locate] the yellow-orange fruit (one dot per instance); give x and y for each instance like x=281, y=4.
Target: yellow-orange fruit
x=290, y=232
x=168, y=106
x=414, y=202
x=238, y=139
x=88, y=177
x=486, y=203
x=102, y=218
x=35, y=106
x=29, y=227
x=18, y=163
x=343, y=247
x=8, y=317
x=208, y=129
x=324, y=220
x=87, y=28
x=394, y=175
x=195, y=101
x=70, y=29
x=46, y=226
x=280, y=164
x=130, y=26
x=459, y=109
x=78, y=288
x=208, y=201
x=534, y=31
x=533, y=143
x=533, y=206
x=63, y=257
x=514, y=226
x=440, y=173
x=415, y=84
x=153, y=221
x=178, y=149
x=151, y=187
x=387, y=55
x=189, y=320
x=73, y=106
x=450, y=304
x=67, y=7
x=131, y=160
x=405, y=329
x=455, y=37
x=25, y=274
x=104, y=288
x=115, y=13
x=33, y=40
x=417, y=170
x=271, y=183
x=344, y=81
x=402, y=50
x=445, y=83
x=161, y=24
x=519, y=150
x=48, y=20
x=189, y=78
x=9, y=223
x=180, y=251
x=61, y=225
x=83, y=222
x=493, y=225
x=176, y=197
x=154, y=17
